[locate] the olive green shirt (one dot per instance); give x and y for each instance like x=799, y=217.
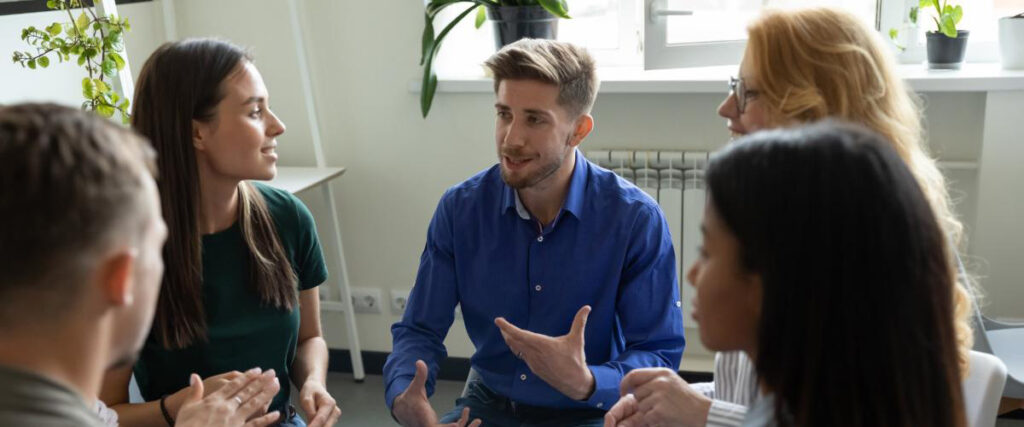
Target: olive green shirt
x=29, y=399
x=243, y=332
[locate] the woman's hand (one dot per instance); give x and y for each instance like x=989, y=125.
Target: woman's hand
x=320, y=407
x=658, y=397
x=232, y=404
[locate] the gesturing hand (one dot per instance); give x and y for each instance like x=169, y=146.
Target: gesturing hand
x=412, y=408
x=657, y=396
x=559, y=361
x=319, y=405
x=232, y=404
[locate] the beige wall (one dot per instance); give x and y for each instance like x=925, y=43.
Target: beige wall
x=363, y=55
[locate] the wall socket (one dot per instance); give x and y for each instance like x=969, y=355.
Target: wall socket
x=399, y=299
x=366, y=300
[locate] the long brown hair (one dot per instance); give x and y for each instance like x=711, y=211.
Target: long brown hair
x=856, y=325
x=181, y=82
x=820, y=62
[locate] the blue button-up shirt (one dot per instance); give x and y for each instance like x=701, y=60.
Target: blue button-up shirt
x=608, y=247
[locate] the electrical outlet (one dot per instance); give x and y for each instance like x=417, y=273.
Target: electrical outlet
x=366, y=300
x=399, y=298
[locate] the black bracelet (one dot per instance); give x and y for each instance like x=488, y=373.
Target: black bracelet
x=163, y=409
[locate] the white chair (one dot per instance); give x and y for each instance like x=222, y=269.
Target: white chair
x=983, y=389
x=1005, y=341
x=1002, y=340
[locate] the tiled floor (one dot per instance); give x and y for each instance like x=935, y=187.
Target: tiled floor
x=362, y=405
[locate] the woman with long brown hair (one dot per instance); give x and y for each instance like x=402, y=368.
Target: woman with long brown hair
x=243, y=259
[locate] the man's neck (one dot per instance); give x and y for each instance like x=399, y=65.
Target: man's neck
x=545, y=199
x=67, y=354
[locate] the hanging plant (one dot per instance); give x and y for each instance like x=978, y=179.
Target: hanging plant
x=94, y=43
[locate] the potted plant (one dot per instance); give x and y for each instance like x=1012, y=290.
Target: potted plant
x=1011, y=41
x=513, y=20
x=96, y=43
x=906, y=35
x=946, y=45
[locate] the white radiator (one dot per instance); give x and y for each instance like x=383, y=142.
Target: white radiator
x=676, y=180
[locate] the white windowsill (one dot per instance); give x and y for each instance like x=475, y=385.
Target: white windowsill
x=973, y=77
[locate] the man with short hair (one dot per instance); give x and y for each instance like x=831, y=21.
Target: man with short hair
x=565, y=273
x=80, y=267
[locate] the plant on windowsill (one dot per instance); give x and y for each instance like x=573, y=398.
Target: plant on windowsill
x=96, y=43
x=946, y=45
x=906, y=35
x=513, y=20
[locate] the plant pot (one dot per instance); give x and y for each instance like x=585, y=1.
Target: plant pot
x=946, y=53
x=512, y=23
x=1011, y=42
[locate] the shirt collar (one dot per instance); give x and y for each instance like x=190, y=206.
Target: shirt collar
x=573, y=199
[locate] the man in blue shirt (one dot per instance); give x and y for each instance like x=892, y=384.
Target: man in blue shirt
x=565, y=272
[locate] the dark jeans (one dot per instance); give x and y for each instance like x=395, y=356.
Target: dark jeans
x=497, y=410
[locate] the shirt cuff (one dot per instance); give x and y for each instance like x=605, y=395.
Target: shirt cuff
x=397, y=386
x=707, y=389
x=606, y=387
x=725, y=414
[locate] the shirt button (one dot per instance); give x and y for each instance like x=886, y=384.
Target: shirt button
x=537, y=288
x=540, y=238
x=600, y=405
x=522, y=377
x=679, y=304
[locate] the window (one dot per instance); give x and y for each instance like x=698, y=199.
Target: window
x=684, y=33
x=689, y=33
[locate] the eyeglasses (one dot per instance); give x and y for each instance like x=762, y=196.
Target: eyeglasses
x=739, y=88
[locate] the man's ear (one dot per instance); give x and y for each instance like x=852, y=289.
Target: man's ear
x=116, y=277
x=584, y=125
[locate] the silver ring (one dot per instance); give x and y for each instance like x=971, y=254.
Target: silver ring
x=239, y=400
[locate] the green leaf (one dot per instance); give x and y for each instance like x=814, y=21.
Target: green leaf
x=556, y=7
x=55, y=29
x=32, y=64
x=44, y=61
x=958, y=14
x=88, y=88
x=948, y=26
x=81, y=60
x=913, y=14
x=429, y=86
x=82, y=23
x=105, y=110
x=50, y=4
x=894, y=33
x=428, y=39
x=108, y=67
x=481, y=16
x=118, y=60
x=101, y=86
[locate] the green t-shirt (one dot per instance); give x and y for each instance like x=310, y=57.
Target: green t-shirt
x=243, y=333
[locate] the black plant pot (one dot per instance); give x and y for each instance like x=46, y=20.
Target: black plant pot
x=946, y=53
x=512, y=23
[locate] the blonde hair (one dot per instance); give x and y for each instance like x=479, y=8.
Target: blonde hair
x=562, y=64
x=815, y=63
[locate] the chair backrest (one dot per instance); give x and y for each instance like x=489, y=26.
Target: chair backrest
x=983, y=389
